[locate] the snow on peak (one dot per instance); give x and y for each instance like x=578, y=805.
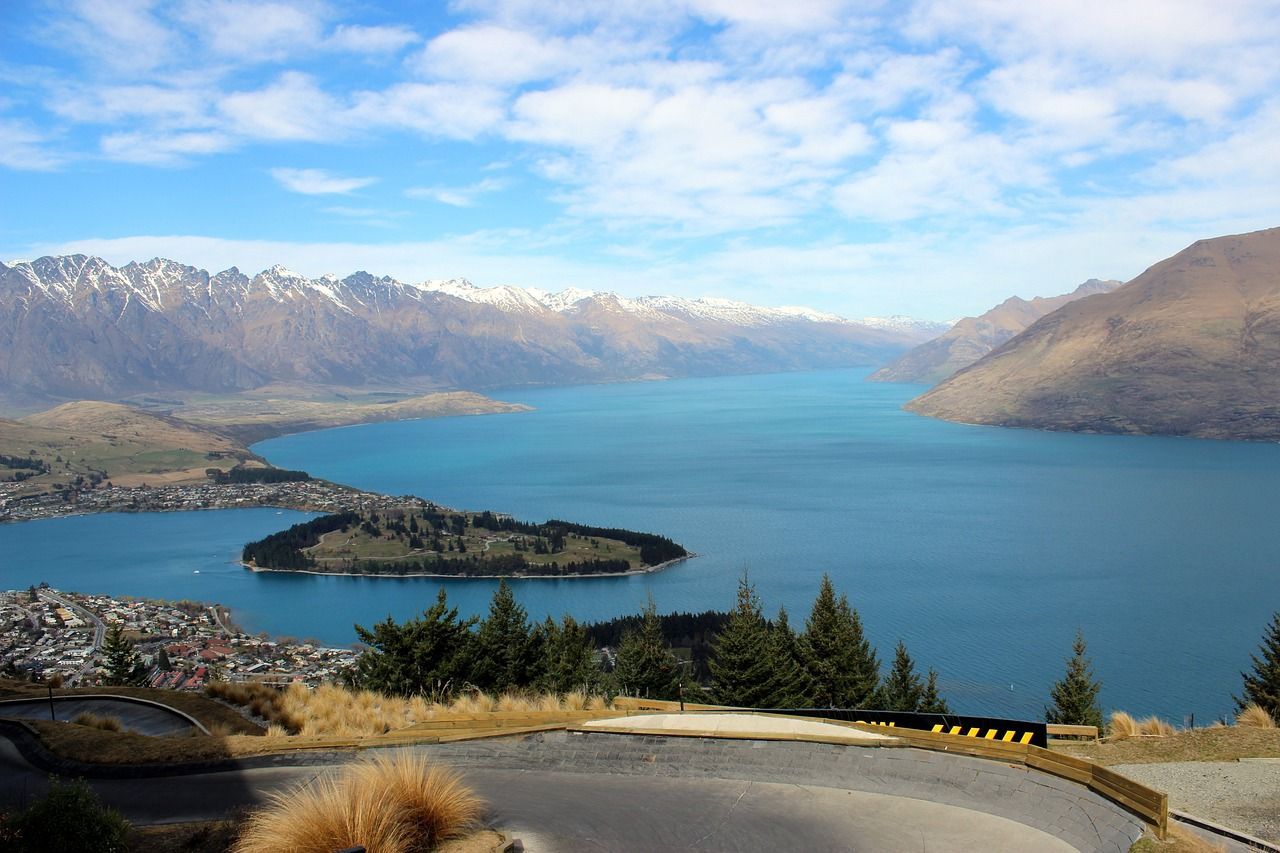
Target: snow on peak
x=503, y=296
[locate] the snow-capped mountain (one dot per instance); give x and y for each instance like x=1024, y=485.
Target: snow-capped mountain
x=75, y=326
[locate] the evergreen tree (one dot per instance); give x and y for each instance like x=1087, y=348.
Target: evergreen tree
x=930, y=701
x=567, y=661
x=1075, y=697
x=122, y=665
x=162, y=660
x=427, y=654
x=645, y=666
x=1262, y=686
x=902, y=689
x=792, y=686
x=742, y=669
x=503, y=648
x=839, y=659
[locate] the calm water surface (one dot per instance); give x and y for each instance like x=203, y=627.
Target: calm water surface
x=982, y=548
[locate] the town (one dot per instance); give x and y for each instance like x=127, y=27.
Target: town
x=307, y=495
x=56, y=636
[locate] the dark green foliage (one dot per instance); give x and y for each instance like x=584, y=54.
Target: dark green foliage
x=693, y=632
x=792, y=686
x=69, y=817
x=504, y=653
x=566, y=658
x=427, y=654
x=1263, y=684
x=283, y=550
x=742, y=670
x=162, y=660
x=243, y=476
x=1075, y=697
x=654, y=549
x=839, y=659
x=902, y=689
x=645, y=666
x=122, y=665
x=930, y=701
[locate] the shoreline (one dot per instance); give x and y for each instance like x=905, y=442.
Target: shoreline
x=647, y=570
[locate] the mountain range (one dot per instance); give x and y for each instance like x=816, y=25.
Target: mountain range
x=74, y=327
x=1189, y=347
x=973, y=337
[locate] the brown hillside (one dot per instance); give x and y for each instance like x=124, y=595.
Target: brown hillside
x=1190, y=347
x=973, y=337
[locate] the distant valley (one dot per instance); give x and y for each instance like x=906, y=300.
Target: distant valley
x=75, y=327
x=973, y=337
x=1190, y=347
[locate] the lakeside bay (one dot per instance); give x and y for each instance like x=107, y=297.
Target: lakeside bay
x=982, y=548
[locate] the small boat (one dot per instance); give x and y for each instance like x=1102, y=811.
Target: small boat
x=196, y=572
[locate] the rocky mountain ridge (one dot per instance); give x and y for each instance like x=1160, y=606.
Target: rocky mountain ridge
x=973, y=337
x=76, y=327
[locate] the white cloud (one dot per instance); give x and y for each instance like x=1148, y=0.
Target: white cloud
x=378, y=40
x=167, y=149
x=292, y=108
x=465, y=196
x=24, y=148
x=318, y=181
x=251, y=30
x=493, y=54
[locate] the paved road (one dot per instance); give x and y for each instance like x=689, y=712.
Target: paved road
x=567, y=812
x=135, y=716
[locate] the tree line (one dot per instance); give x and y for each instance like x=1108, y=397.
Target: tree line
x=753, y=662
x=240, y=476
x=654, y=549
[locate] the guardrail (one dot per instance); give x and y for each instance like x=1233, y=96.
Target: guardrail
x=1061, y=731
x=1148, y=804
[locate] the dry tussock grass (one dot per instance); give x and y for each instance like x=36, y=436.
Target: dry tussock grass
x=387, y=805
x=1255, y=716
x=98, y=721
x=335, y=711
x=1121, y=726
x=1155, y=727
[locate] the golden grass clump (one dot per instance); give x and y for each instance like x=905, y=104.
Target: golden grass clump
x=98, y=721
x=1155, y=727
x=1121, y=726
x=1255, y=716
x=262, y=700
x=387, y=805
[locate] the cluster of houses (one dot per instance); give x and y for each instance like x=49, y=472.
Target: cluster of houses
x=46, y=633
x=310, y=495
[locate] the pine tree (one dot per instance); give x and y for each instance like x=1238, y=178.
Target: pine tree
x=1075, y=697
x=645, y=666
x=427, y=654
x=567, y=658
x=1262, y=686
x=503, y=649
x=122, y=665
x=792, y=686
x=162, y=660
x=742, y=669
x=930, y=701
x=902, y=689
x=839, y=659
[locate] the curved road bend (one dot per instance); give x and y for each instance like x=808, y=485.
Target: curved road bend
x=566, y=812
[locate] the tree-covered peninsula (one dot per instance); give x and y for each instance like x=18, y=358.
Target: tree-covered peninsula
x=429, y=540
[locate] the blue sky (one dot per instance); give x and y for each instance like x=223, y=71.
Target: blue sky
x=926, y=158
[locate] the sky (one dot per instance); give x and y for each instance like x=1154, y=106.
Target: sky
x=926, y=158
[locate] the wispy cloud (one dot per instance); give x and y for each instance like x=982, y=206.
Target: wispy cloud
x=457, y=196
x=318, y=181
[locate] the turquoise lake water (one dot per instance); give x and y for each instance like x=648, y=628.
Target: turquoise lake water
x=983, y=548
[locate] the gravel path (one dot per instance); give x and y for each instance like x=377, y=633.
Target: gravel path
x=1243, y=795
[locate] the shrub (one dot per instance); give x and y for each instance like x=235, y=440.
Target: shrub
x=387, y=805
x=1255, y=716
x=1121, y=726
x=1155, y=727
x=69, y=817
x=98, y=721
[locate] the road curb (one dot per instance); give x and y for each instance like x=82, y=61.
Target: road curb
x=1225, y=831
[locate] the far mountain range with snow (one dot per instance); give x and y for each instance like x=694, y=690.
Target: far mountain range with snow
x=76, y=327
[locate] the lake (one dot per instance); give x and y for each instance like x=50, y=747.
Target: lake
x=982, y=548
